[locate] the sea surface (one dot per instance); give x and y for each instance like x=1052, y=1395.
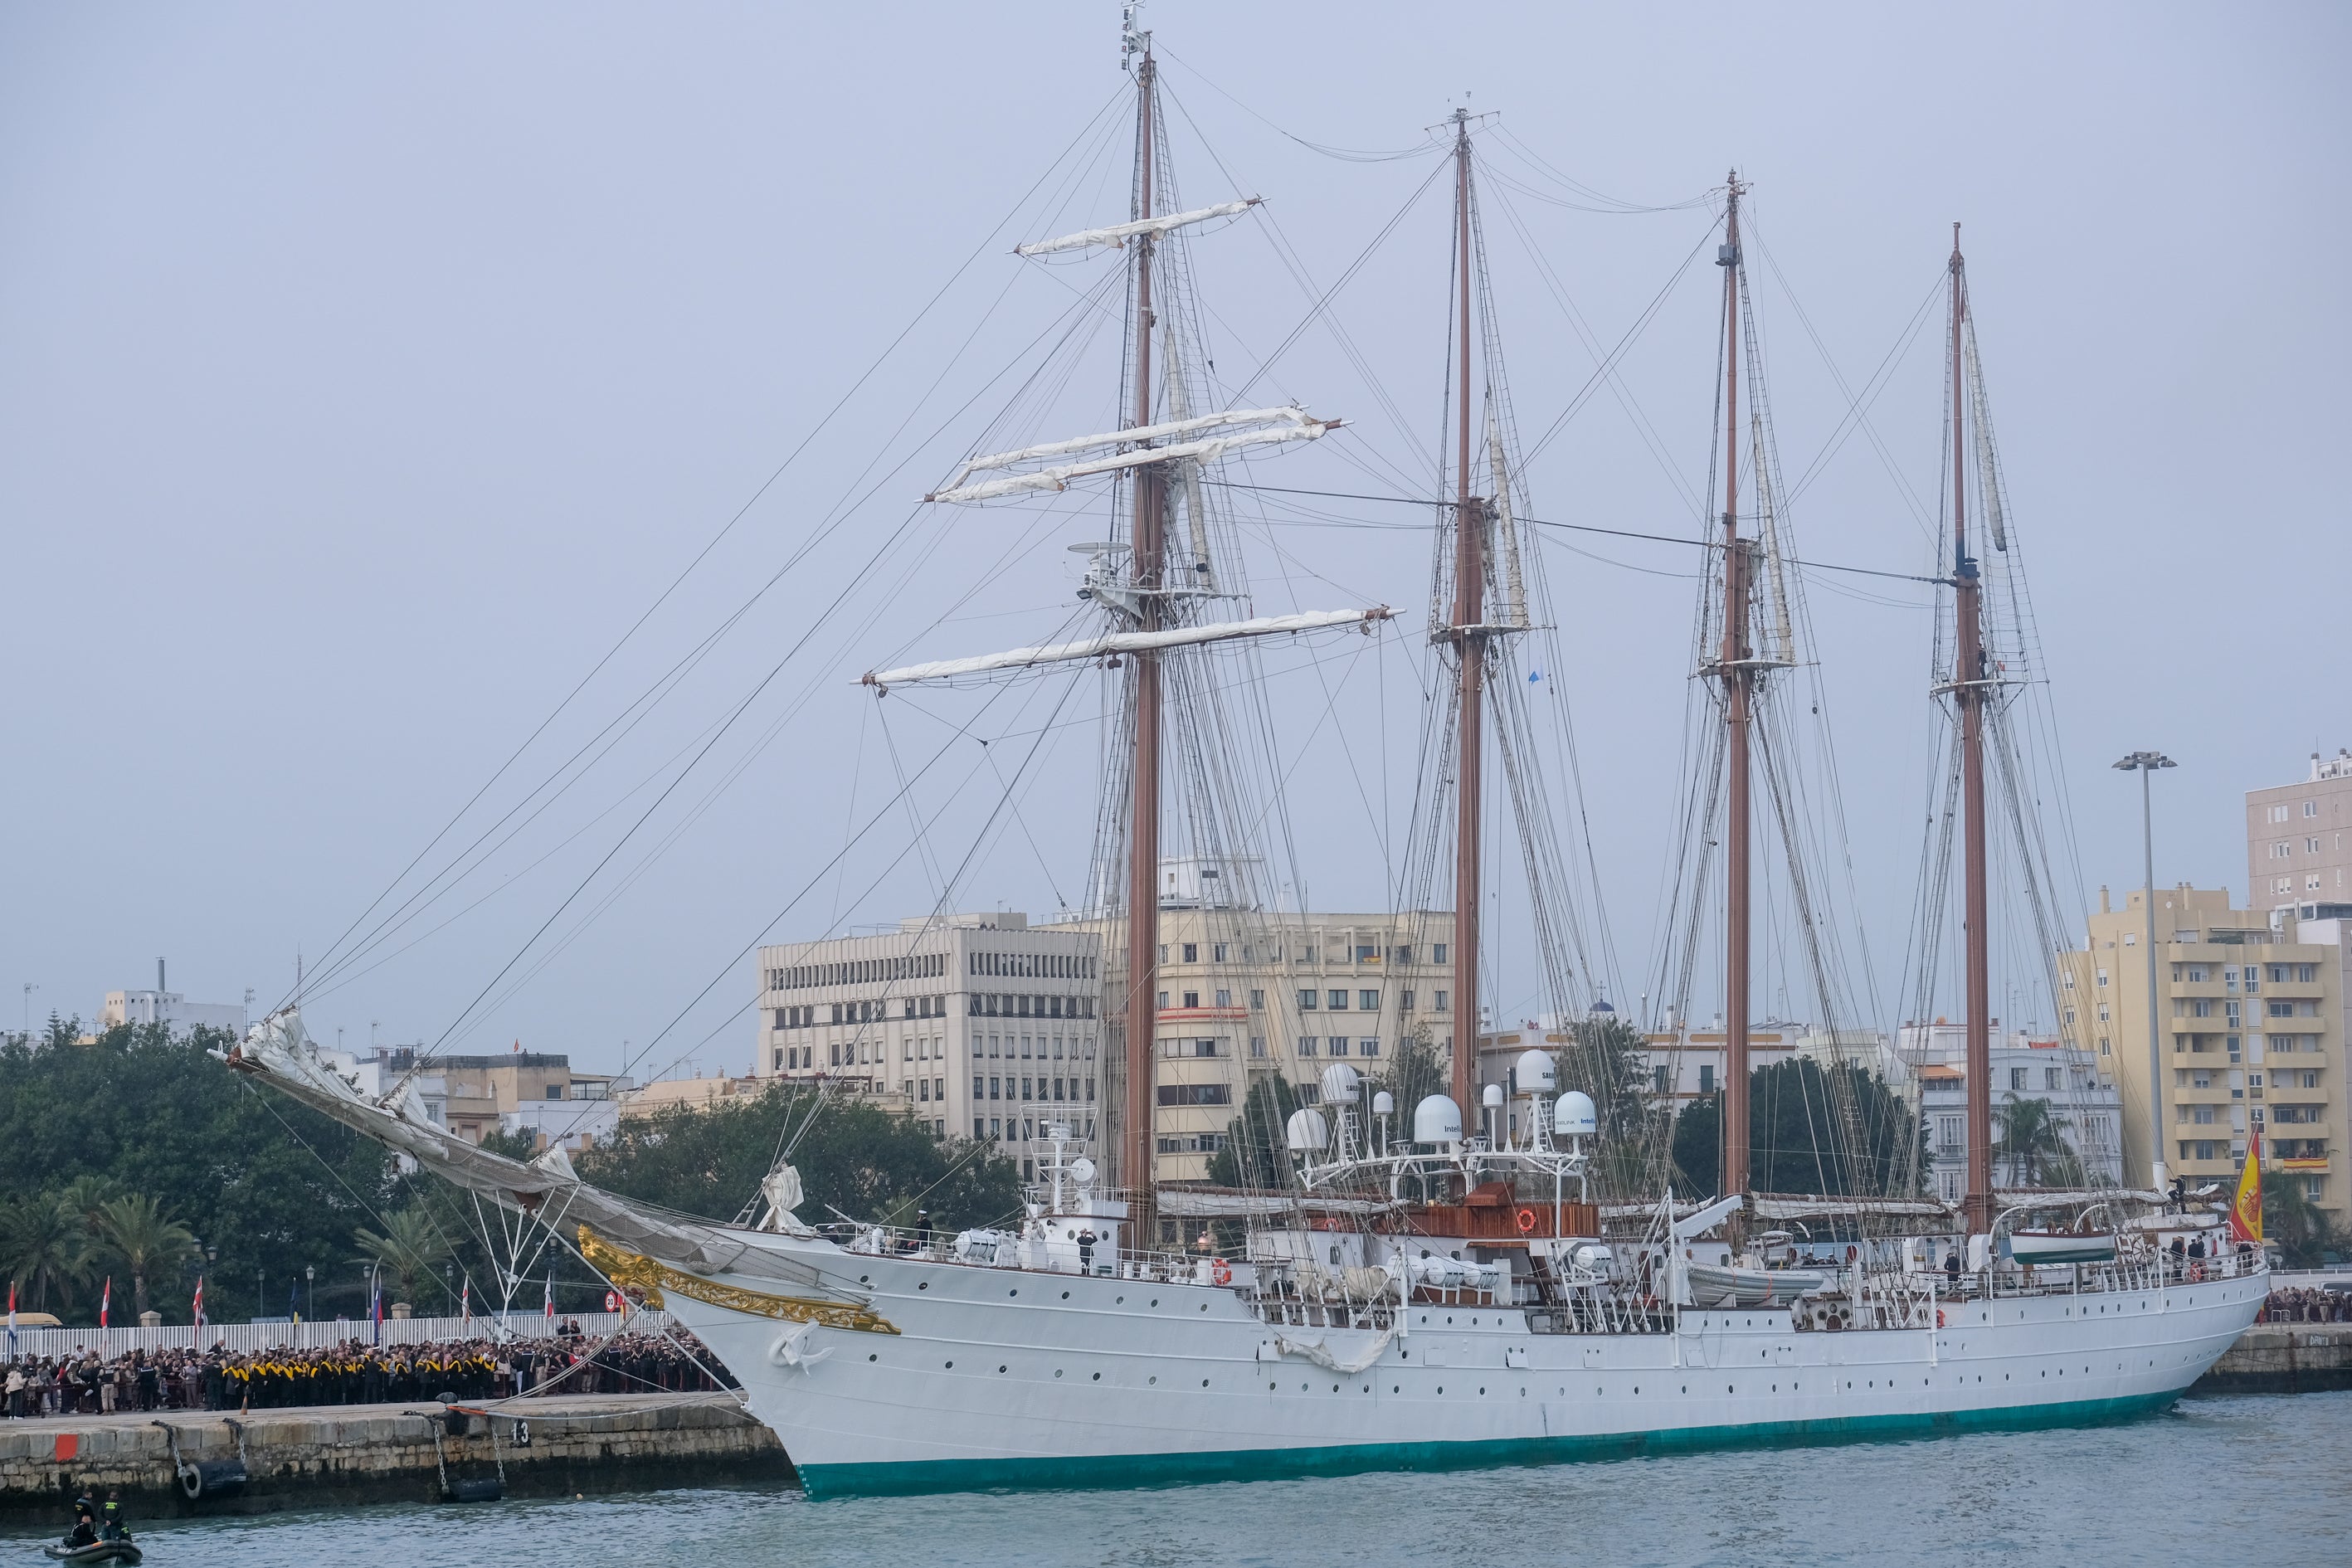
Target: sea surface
x=2225, y=1479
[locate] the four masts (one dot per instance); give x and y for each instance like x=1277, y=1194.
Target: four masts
x=1144, y=454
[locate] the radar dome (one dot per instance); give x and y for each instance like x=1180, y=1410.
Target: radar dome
x=1384, y=1104
x=1437, y=1119
x=1340, y=1084
x=1572, y=1115
x=1492, y=1097
x=1307, y=1131
x=1534, y=1073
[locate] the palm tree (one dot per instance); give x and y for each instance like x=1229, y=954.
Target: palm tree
x=2304, y=1230
x=150, y=1242
x=2032, y=1145
x=412, y=1245
x=43, y=1247
x=87, y=1194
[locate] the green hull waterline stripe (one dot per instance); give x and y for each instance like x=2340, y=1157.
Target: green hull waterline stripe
x=1268, y=1464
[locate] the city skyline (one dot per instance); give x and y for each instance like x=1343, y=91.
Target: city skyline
x=346, y=455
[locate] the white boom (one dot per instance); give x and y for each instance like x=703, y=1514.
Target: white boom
x=1120, y=233
x=1127, y=642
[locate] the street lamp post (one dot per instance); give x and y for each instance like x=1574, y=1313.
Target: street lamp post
x=2146, y=763
x=311, y=1287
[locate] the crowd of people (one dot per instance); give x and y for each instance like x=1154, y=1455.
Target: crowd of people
x=353, y=1371
x=2308, y=1307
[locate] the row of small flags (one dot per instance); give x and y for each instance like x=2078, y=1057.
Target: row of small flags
x=293, y=1306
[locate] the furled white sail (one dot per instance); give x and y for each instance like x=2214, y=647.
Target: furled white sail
x=1120, y=233
x=1220, y=432
x=1127, y=642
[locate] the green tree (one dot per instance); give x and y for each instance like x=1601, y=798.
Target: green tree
x=852, y=1157
x=266, y=1182
x=1413, y=1076
x=1257, y=1152
x=150, y=1242
x=412, y=1245
x=2307, y=1236
x=2030, y=1143
x=45, y=1247
x=1798, y=1136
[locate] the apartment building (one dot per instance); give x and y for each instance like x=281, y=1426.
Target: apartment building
x=1243, y=994
x=2249, y=1026
x=968, y=1021
x=518, y=1090
x=2299, y=842
x=2084, y=1105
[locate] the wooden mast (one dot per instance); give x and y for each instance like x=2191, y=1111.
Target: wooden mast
x=1469, y=612
x=1737, y=672
x=1969, y=690
x=1136, y=1163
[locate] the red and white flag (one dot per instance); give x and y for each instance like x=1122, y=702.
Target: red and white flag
x=106, y=1301
x=199, y=1312
x=550, y=1295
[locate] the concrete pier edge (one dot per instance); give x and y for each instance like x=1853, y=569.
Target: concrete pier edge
x=337, y=1456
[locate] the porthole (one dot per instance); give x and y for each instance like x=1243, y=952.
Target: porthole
x=950, y=1366
x=1000, y=1369
x=1155, y=1301
x=1441, y=1388
x=1270, y=1388
x=1204, y=1383
x=924, y=1285
x=1066, y=1295
x=1057, y=1372
x=1398, y=1388
x=1015, y=1292
x=1097, y=1377
x=873, y=1358
x=1152, y=1380
x=1204, y=1306
x=864, y=1279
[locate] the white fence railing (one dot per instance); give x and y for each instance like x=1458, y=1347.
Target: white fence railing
x=239, y=1338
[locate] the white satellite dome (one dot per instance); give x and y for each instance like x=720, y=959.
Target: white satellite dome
x=1383, y=1103
x=1340, y=1084
x=1572, y=1115
x=1492, y=1097
x=1437, y=1119
x=1307, y=1131
x=1535, y=1073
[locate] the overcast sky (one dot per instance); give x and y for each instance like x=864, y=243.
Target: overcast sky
x=366, y=376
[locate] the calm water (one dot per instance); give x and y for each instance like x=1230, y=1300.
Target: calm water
x=2150, y=1492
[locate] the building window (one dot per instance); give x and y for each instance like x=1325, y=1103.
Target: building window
x=1336, y=1000
x=1437, y=952
x=1225, y=998
x=1257, y=1000
x=1306, y=1000
x=1306, y=1044
x=1191, y=952
x=2050, y=1078
x=1707, y=1077
x=2017, y=1078
x=1257, y=1046
x=1217, y=952
x=1368, y=1047
x=1339, y=1046
x=1658, y=1080
x=1195, y=1094
x=1367, y=1001
x=1191, y=998
x=1437, y=1000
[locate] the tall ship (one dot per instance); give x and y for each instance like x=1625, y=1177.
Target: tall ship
x=1453, y=1273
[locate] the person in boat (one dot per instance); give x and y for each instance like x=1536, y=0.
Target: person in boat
x=1952, y=1266
x=85, y=1530
x=1087, y=1240
x=922, y=1230
x=112, y=1526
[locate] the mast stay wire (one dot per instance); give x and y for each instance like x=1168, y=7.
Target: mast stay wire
x=793, y=456
x=655, y=692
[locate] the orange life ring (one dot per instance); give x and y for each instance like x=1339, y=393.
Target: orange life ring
x=1221, y=1272
x=1526, y=1219
x=1939, y=1317
x=2196, y=1271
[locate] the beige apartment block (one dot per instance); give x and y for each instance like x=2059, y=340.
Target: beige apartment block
x=486, y=1092
x=975, y=1023
x=2250, y=1025
x=1244, y=993
x=2299, y=842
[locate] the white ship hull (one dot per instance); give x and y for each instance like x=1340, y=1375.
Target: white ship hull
x=1000, y=1377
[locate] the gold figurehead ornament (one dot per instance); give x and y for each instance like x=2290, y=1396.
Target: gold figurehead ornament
x=628, y=1270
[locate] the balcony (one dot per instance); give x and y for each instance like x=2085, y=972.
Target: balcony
x=1204, y=1014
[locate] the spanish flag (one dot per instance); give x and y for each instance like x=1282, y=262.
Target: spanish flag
x=2246, y=1208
